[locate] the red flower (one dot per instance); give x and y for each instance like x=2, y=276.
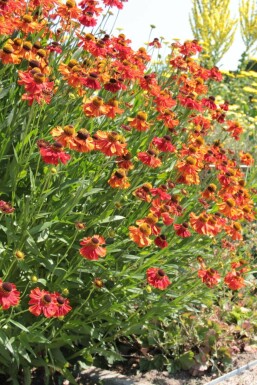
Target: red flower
x=164, y=144
x=155, y=43
x=161, y=192
x=149, y=158
x=157, y=278
x=54, y=154
x=62, y=305
x=160, y=241
x=87, y=19
x=114, y=3
x=92, y=248
x=209, y=276
x=36, y=85
x=42, y=302
x=6, y=208
x=9, y=295
x=91, y=81
x=114, y=85
x=182, y=230
x=234, y=280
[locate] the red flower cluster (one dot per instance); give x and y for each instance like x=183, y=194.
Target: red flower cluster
x=52, y=154
x=48, y=304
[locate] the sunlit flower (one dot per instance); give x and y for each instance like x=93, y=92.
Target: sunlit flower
x=140, y=235
x=110, y=143
x=139, y=122
x=93, y=247
x=41, y=301
x=119, y=179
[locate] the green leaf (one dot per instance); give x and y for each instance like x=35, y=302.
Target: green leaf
x=186, y=360
x=19, y=325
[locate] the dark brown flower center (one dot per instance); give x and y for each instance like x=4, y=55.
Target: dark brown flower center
x=47, y=298
x=83, y=134
x=7, y=287
x=119, y=175
x=60, y=300
x=161, y=273
x=95, y=240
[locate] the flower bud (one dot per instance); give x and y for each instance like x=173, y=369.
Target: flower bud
x=19, y=255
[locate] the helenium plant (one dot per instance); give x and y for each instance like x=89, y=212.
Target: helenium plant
x=114, y=197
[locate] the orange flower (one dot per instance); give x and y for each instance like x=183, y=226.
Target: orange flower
x=139, y=122
x=246, y=158
x=8, y=55
x=235, y=129
x=209, y=276
x=110, y=143
x=140, y=235
x=229, y=209
x=119, y=179
x=143, y=192
x=234, y=280
x=83, y=141
x=113, y=108
x=189, y=169
x=209, y=192
x=169, y=119
x=124, y=161
x=64, y=135
x=203, y=224
x=94, y=107
x=234, y=231
x=151, y=220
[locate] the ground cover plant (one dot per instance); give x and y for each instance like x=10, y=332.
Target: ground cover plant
x=120, y=210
